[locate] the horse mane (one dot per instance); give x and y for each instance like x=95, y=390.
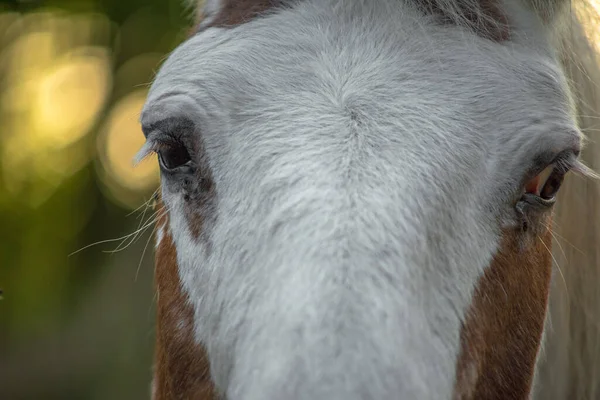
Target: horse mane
x=569, y=364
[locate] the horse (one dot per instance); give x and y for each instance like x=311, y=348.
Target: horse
x=357, y=202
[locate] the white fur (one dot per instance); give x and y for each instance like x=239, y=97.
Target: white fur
x=210, y=10
x=364, y=162
x=160, y=233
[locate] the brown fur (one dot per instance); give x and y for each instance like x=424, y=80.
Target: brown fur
x=181, y=369
x=503, y=329
x=237, y=12
x=489, y=21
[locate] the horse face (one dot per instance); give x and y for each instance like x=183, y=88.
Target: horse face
x=359, y=200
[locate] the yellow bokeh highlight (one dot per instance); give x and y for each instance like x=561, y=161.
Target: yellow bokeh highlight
x=59, y=73
x=120, y=140
x=27, y=59
x=70, y=96
x=58, y=85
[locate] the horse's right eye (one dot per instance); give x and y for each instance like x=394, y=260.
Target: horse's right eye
x=172, y=156
x=552, y=184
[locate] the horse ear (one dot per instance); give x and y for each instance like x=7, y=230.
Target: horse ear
x=229, y=13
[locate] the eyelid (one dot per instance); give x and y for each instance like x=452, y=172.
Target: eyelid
x=535, y=201
x=164, y=132
x=564, y=161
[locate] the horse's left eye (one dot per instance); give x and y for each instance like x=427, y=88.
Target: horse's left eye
x=173, y=156
x=546, y=184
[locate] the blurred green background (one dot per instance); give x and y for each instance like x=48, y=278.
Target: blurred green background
x=73, y=77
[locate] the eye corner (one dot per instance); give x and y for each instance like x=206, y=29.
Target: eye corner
x=531, y=210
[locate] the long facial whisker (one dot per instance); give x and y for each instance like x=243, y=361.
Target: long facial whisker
x=156, y=215
x=139, y=230
x=555, y=237
x=557, y=267
x=134, y=235
x=562, y=238
x=147, y=204
x=105, y=241
x=144, y=251
x=559, y=245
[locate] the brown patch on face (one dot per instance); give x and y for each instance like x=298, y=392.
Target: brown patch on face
x=488, y=21
x=501, y=336
x=181, y=369
x=236, y=12
x=200, y=202
x=196, y=186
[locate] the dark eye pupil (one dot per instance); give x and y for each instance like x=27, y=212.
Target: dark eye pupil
x=173, y=156
x=552, y=185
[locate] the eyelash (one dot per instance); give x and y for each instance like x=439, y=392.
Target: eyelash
x=545, y=184
x=173, y=154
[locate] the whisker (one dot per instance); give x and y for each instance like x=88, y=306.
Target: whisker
x=147, y=204
x=144, y=252
x=557, y=267
x=558, y=243
x=562, y=238
x=100, y=242
x=149, y=222
x=587, y=116
x=150, y=204
x=138, y=231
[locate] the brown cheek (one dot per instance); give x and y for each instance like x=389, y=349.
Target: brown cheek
x=501, y=336
x=181, y=365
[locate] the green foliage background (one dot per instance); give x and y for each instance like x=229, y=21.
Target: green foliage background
x=80, y=326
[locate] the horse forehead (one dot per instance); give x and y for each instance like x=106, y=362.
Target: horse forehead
x=288, y=59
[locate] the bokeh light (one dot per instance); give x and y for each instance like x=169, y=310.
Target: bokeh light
x=73, y=79
x=56, y=92
x=120, y=140
x=70, y=97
